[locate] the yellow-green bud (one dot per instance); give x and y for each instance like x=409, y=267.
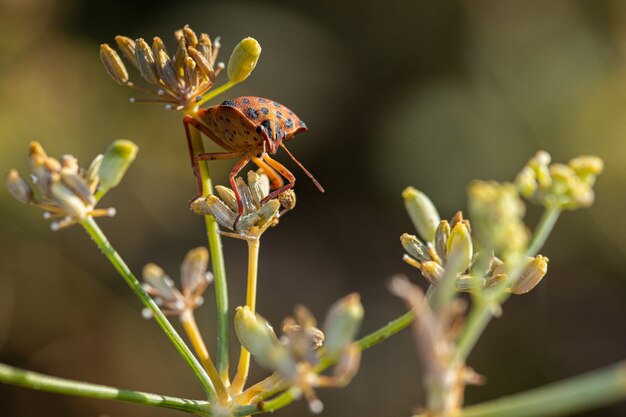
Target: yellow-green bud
x=533, y=273
x=526, y=182
x=460, y=245
x=257, y=337
x=422, y=212
x=539, y=163
x=117, y=158
x=342, y=323
x=243, y=59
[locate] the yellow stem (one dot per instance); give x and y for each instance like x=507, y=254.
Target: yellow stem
x=244, y=357
x=189, y=323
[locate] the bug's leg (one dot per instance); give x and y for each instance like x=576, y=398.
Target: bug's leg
x=233, y=174
x=189, y=120
x=284, y=172
x=276, y=180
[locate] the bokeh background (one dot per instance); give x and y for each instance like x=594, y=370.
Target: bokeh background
x=395, y=93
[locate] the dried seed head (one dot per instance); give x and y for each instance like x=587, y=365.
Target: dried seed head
x=145, y=62
x=531, y=276
x=414, y=247
x=342, y=324
x=422, y=212
x=227, y=195
x=190, y=36
x=204, y=65
x=113, y=64
x=162, y=285
x=166, y=71
x=442, y=234
x=18, y=187
x=117, y=158
x=127, y=46
x=243, y=59
x=73, y=205
x=432, y=271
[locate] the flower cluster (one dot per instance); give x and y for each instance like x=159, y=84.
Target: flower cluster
x=258, y=214
x=451, y=247
x=558, y=185
x=194, y=278
x=179, y=81
x=301, y=348
x=67, y=192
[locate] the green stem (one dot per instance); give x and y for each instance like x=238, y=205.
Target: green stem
x=34, y=380
x=574, y=395
x=543, y=229
x=213, y=93
x=109, y=251
x=483, y=309
x=366, y=342
x=217, y=261
x=239, y=381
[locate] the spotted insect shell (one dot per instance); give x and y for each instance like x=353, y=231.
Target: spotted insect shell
x=245, y=123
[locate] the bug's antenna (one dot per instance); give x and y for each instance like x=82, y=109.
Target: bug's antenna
x=317, y=184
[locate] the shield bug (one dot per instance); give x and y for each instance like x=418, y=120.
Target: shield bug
x=249, y=128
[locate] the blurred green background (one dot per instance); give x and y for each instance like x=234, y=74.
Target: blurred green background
x=395, y=93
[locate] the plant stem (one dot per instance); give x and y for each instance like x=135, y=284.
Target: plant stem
x=244, y=356
x=213, y=93
x=543, y=229
x=217, y=260
x=483, y=309
x=34, y=380
x=573, y=395
x=109, y=251
x=189, y=323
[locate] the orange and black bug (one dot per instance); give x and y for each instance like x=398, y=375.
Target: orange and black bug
x=249, y=128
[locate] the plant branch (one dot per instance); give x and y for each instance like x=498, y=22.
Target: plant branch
x=109, y=251
x=573, y=395
x=34, y=380
x=217, y=261
x=244, y=356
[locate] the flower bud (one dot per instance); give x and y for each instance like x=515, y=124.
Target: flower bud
x=117, y=158
x=18, y=187
x=539, y=163
x=460, y=245
x=194, y=268
x=257, y=337
x=587, y=167
x=422, y=212
x=533, y=273
x=526, y=182
x=414, y=247
x=113, y=64
x=342, y=323
x=243, y=59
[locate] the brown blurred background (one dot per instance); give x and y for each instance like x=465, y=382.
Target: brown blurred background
x=395, y=93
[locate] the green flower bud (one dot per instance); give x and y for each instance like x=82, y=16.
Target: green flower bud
x=243, y=59
x=460, y=245
x=342, y=323
x=117, y=158
x=257, y=337
x=422, y=212
x=526, y=182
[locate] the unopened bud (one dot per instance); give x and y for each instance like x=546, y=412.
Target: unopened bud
x=113, y=64
x=587, y=165
x=526, y=182
x=415, y=247
x=533, y=273
x=243, y=59
x=422, y=212
x=194, y=268
x=342, y=323
x=18, y=187
x=432, y=271
x=117, y=158
x=460, y=245
x=539, y=163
